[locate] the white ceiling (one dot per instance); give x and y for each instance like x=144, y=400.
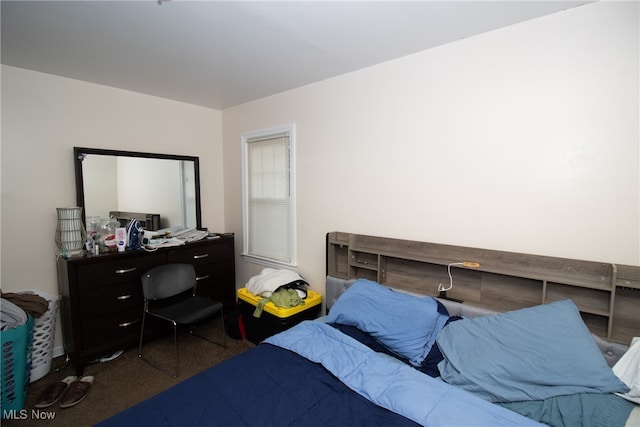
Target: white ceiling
x=223, y=53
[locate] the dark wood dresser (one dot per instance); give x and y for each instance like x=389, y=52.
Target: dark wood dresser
x=101, y=296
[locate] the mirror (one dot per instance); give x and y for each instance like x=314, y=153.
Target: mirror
x=164, y=187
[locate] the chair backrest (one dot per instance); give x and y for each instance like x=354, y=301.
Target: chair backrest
x=168, y=280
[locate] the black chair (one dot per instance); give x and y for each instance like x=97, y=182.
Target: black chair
x=162, y=287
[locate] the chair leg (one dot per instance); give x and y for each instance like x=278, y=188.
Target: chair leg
x=175, y=341
x=141, y=334
x=224, y=333
x=154, y=364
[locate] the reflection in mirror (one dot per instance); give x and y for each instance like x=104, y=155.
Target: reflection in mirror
x=162, y=185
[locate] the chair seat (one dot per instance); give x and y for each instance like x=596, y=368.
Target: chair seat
x=191, y=310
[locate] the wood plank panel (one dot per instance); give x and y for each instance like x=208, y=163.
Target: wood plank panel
x=503, y=280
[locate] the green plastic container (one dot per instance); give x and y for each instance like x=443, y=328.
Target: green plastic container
x=16, y=366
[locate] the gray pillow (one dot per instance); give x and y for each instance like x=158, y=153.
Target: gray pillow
x=528, y=354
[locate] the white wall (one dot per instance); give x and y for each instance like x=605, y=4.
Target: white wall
x=43, y=118
x=522, y=139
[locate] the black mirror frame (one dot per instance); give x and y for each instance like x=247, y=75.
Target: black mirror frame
x=80, y=152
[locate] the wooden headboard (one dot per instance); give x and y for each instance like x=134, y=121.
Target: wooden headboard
x=608, y=295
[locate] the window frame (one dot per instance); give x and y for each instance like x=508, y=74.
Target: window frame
x=246, y=139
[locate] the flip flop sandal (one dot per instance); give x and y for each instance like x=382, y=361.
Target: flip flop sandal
x=77, y=392
x=53, y=393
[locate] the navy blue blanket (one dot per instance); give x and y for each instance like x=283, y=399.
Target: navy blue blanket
x=264, y=386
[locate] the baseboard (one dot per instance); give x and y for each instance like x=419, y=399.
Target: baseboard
x=58, y=351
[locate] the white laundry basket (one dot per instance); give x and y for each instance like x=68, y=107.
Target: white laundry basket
x=44, y=329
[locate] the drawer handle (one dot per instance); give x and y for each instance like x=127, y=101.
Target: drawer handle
x=202, y=278
x=123, y=297
x=200, y=256
x=125, y=270
x=126, y=324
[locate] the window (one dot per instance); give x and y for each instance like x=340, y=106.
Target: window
x=268, y=196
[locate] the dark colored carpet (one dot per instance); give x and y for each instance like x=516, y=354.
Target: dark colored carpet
x=127, y=380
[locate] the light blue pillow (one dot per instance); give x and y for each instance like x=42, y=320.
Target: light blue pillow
x=529, y=354
x=405, y=324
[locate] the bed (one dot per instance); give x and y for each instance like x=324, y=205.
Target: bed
x=385, y=356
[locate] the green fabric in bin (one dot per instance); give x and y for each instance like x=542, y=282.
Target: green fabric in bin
x=285, y=298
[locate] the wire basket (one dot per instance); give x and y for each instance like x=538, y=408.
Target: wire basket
x=44, y=329
x=70, y=232
x=16, y=366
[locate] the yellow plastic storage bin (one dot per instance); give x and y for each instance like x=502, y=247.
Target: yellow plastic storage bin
x=312, y=299
x=274, y=319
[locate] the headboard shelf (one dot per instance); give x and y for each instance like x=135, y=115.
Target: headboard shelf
x=579, y=273
x=608, y=295
x=628, y=276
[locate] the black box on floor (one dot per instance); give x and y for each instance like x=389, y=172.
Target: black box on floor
x=274, y=319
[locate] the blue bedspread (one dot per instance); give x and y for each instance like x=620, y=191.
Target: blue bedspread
x=272, y=385
x=265, y=386
x=392, y=384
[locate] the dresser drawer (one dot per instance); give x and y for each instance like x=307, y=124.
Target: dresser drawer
x=199, y=255
x=115, y=330
x=127, y=269
x=110, y=299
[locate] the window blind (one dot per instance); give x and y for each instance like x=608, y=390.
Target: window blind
x=268, y=197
